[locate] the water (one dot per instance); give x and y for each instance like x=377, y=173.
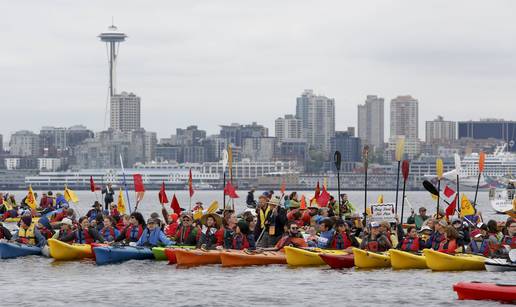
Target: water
x=39, y=281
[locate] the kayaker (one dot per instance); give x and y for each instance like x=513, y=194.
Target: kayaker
x=322, y=214
x=113, y=211
x=96, y=210
x=251, y=203
x=493, y=230
x=326, y=233
x=346, y=207
x=226, y=233
x=425, y=233
x=290, y=238
x=5, y=233
x=385, y=229
x=153, y=236
x=343, y=238
x=85, y=233
x=509, y=241
x=186, y=234
x=28, y=233
x=480, y=242
x=296, y=217
x=375, y=241
x=45, y=228
x=274, y=224
x=66, y=233
x=311, y=236
x=411, y=242
x=308, y=214
x=108, y=198
x=418, y=219
x=45, y=202
x=123, y=222
x=171, y=228
x=209, y=228
x=438, y=235
x=463, y=238
x=449, y=245
x=109, y=233
x=263, y=212
x=134, y=231
x=240, y=239
x=61, y=201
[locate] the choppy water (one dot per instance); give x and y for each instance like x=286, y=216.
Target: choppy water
x=39, y=281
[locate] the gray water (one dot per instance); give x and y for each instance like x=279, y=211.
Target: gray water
x=39, y=281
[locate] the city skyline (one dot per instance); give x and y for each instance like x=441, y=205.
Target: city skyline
x=179, y=68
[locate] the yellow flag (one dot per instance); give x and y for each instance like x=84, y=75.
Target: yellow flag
x=197, y=214
x=380, y=199
x=213, y=207
x=466, y=208
x=31, y=199
x=121, y=203
x=70, y=195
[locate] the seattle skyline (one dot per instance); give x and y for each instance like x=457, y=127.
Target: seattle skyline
x=179, y=67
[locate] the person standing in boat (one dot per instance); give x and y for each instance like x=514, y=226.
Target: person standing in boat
x=109, y=197
x=418, y=219
x=251, y=203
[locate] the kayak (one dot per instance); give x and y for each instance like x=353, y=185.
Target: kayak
x=438, y=261
x=186, y=257
x=308, y=257
x=499, y=265
x=15, y=250
x=338, y=261
x=160, y=252
x=401, y=260
x=17, y=219
x=171, y=255
x=93, y=245
x=64, y=251
x=234, y=258
x=370, y=260
x=120, y=253
x=486, y=291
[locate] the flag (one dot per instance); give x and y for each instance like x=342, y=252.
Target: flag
x=323, y=198
x=317, y=192
x=197, y=214
x=448, y=192
x=138, y=183
x=230, y=191
x=303, y=203
x=230, y=161
x=162, y=195
x=175, y=205
x=92, y=184
x=451, y=207
x=190, y=184
x=120, y=205
x=283, y=187
x=31, y=199
x=466, y=208
x=380, y=199
x=70, y=195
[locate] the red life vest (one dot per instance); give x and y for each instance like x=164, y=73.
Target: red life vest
x=133, y=233
x=63, y=234
x=410, y=244
x=2, y=235
x=240, y=242
x=341, y=241
x=171, y=229
x=372, y=245
x=182, y=234
x=111, y=233
x=448, y=246
x=83, y=237
x=511, y=241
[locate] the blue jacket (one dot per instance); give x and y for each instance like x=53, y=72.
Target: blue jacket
x=60, y=201
x=154, y=238
x=325, y=238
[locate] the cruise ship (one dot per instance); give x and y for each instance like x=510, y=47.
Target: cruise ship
x=499, y=167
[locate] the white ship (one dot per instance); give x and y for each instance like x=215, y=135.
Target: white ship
x=501, y=200
x=500, y=165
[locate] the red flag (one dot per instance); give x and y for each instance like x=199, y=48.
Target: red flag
x=230, y=191
x=317, y=191
x=175, y=205
x=303, y=203
x=162, y=194
x=190, y=184
x=323, y=198
x=92, y=184
x=138, y=183
x=283, y=187
x=448, y=192
x=451, y=208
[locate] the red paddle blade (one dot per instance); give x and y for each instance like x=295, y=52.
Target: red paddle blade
x=405, y=168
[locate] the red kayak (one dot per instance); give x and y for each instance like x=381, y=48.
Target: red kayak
x=171, y=255
x=338, y=261
x=486, y=291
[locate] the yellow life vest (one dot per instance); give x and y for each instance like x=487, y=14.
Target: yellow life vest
x=28, y=234
x=264, y=215
x=8, y=205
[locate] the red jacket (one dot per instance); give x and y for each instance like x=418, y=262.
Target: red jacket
x=448, y=246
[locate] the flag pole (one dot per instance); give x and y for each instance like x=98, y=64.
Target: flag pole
x=337, y=158
x=365, y=157
x=125, y=184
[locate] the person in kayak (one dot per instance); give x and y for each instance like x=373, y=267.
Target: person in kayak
x=326, y=233
x=240, y=239
x=291, y=238
x=66, y=233
x=5, y=233
x=375, y=241
x=210, y=224
x=411, y=242
x=134, y=231
x=28, y=233
x=95, y=211
x=438, y=235
x=464, y=237
x=347, y=209
x=85, y=233
x=153, y=236
x=449, y=244
x=251, y=203
x=509, y=241
x=172, y=225
x=418, y=219
x=343, y=238
x=480, y=242
x=186, y=233
x=109, y=233
x=226, y=233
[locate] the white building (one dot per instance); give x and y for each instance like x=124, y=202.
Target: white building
x=125, y=112
x=440, y=131
x=259, y=149
x=371, y=121
x=24, y=143
x=404, y=117
x=288, y=127
x=49, y=164
x=12, y=163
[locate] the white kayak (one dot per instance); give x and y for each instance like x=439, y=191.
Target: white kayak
x=500, y=265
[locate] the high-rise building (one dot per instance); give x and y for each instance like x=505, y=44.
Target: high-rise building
x=125, y=112
x=440, y=131
x=349, y=146
x=25, y=143
x=317, y=114
x=259, y=149
x=404, y=117
x=288, y=127
x=214, y=145
x=371, y=121
x=236, y=133
x=190, y=136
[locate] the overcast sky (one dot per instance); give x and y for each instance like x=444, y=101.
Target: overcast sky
x=217, y=62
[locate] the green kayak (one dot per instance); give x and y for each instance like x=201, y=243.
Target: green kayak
x=159, y=252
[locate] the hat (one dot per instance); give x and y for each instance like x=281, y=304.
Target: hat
x=476, y=233
x=253, y=212
x=274, y=201
x=425, y=228
x=185, y=214
x=216, y=217
x=456, y=220
x=199, y=203
x=443, y=223
x=26, y=219
x=294, y=204
x=96, y=204
x=266, y=194
x=422, y=208
x=374, y=225
x=152, y=221
x=66, y=221
x=49, y=193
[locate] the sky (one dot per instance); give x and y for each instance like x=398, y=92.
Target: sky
x=209, y=63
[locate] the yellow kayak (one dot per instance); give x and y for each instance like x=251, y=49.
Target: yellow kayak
x=370, y=260
x=308, y=257
x=401, y=260
x=17, y=219
x=64, y=251
x=438, y=261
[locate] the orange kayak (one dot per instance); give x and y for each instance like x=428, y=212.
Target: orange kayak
x=232, y=258
x=195, y=257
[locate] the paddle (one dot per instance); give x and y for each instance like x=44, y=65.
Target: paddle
x=439, y=171
x=405, y=168
x=337, y=158
x=365, y=155
x=400, y=147
x=481, y=162
x=457, y=168
x=225, y=158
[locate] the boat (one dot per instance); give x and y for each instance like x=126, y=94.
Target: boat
x=235, y=258
x=64, y=251
x=17, y=219
x=93, y=245
x=370, y=260
x=194, y=257
x=15, y=250
x=338, y=261
x=308, y=256
x=401, y=260
x=499, y=265
x=438, y=261
x=160, y=252
x=486, y=291
x=121, y=253
x=501, y=200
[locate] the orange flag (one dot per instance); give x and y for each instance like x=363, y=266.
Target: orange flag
x=303, y=202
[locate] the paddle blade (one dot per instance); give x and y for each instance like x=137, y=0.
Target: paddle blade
x=405, y=168
x=213, y=207
x=456, y=157
x=430, y=187
x=365, y=156
x=439, y=168
x=337, y=158
x=400, y=148
x=225, y=158
x=481, y=161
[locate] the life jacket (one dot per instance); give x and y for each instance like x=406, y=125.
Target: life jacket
x=511, y=241
x=185, y=235
x=170, y=229
x=108, y=233
x=388, y=235
x=63, y=235
x=83, y=236
x=437, y=239
x=208, y=237
x=2, y=235
x=133, y=233
x=27, y=236
x=264, y=215
x=373, y=245
x=47, y=233
x=448, y=246
x=480, y=247
x=290, y=241
x=341, y=241
x=410, y=244
x=240, y=242
x=228, y=237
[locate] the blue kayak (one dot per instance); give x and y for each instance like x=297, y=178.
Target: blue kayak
x=114, y=254
x=14, y=250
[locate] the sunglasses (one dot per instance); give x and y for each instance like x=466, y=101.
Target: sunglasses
x=293, y=228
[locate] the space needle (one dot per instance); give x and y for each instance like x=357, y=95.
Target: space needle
x=112, y=37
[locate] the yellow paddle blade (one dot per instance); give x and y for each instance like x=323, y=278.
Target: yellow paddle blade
x=380, y=199
x=197, y=214
x=400, y=148
x=213, y=207
x=439, y=168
